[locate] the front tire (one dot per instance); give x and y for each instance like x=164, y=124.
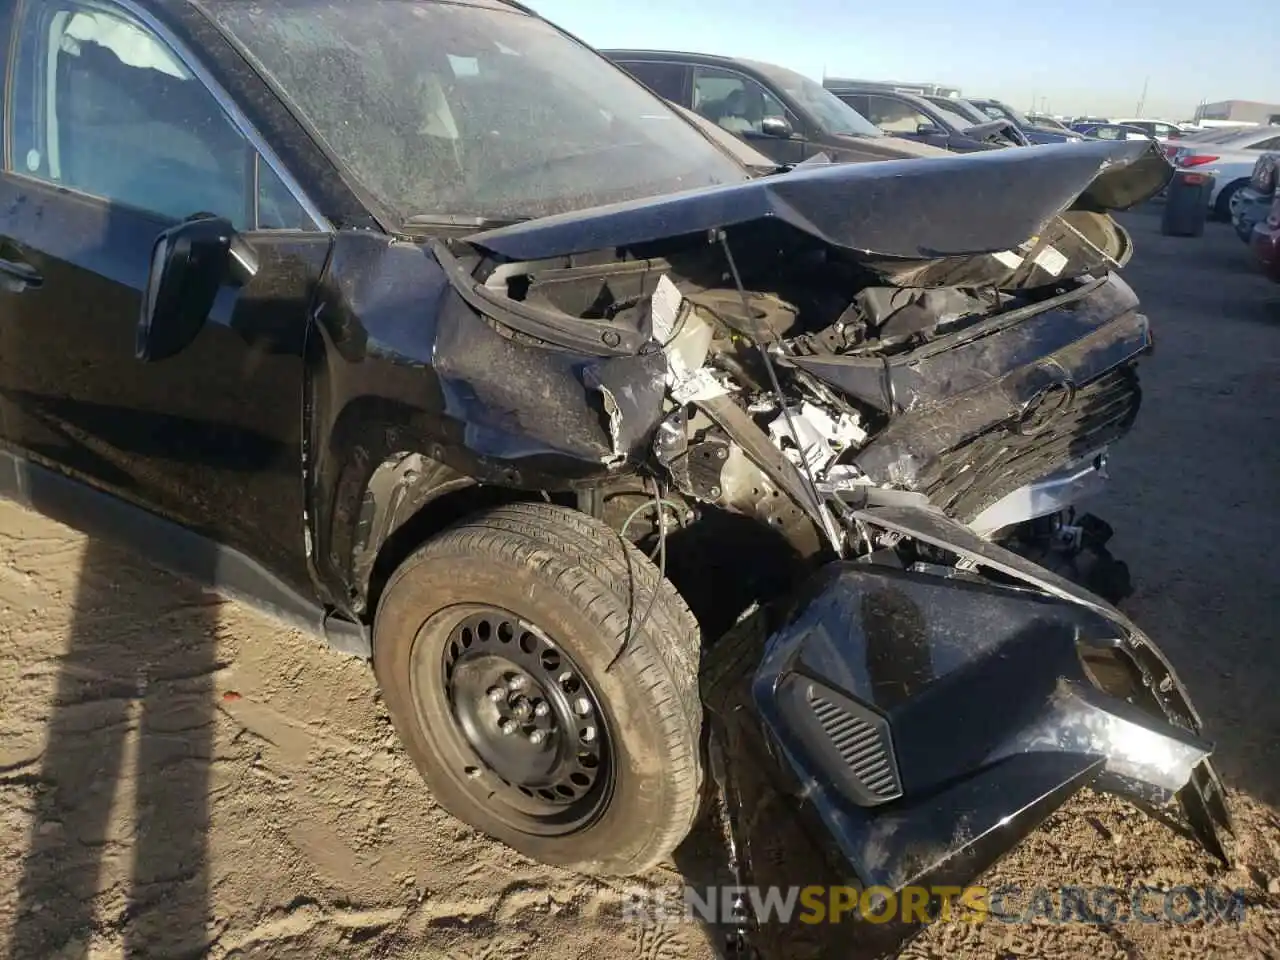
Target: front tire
x=496, y=646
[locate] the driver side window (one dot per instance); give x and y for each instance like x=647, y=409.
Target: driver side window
x=895, y=116
x=736, y=103
x=101, y=105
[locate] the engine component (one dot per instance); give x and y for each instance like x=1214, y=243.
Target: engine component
x=821, y=438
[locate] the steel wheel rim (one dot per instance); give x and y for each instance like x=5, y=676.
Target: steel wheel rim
x=523, y=730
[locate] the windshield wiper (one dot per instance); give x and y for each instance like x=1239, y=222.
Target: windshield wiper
x=461, y=220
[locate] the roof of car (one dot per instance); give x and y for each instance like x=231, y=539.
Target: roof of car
x=615, y=54
x=1085, y=128
x=838, y=89
x=1231, y=136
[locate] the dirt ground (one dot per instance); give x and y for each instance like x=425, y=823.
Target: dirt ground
x=180, y=777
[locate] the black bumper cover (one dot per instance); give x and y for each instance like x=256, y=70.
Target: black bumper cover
x=907, y=729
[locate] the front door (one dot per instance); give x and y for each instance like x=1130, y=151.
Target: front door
x=740, y=105
x=901, y=118
x=112, y=139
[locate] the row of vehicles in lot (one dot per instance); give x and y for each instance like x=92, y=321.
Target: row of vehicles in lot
x=1229, y=155
x=790, y=118
x=654, y=455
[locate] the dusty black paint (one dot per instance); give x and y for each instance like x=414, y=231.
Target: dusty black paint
x=960, y=670
x=905, y=209
x=364, y=381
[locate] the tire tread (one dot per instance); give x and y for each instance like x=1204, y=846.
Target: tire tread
x=587, y=562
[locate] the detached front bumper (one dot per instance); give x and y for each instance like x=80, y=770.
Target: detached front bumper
x=905, y=729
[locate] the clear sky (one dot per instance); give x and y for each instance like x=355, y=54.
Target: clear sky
x=1078, y=57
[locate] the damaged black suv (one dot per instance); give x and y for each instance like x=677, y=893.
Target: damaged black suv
x=642, y=478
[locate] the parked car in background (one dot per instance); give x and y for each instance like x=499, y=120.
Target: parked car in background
x=1111, y=131
x=1251, y=204
x=1227, y=155
x=913, y=117
x=1077, y=122
x=999, y=110
x=1161, y=130
x=782, y=114
x=1048, y=122
x=1266, y=242
x=972, y=113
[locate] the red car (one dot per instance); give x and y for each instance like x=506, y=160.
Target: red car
x=1266, y=242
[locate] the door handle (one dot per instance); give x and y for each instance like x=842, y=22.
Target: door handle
x=17, y=276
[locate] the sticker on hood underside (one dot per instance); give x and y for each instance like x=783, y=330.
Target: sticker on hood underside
x=1009, y=259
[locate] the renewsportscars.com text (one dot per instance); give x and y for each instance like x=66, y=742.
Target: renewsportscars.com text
x=918, y=904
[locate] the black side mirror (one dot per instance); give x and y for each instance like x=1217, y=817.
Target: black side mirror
x=189, y=264
x=778, y=127
x=929, y=130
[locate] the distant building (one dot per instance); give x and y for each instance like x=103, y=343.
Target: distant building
x=1240, y=111
x=920, y=89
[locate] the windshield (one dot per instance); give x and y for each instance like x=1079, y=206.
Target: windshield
x=1040, y=120
x=966, y=110
x=830, y=113
x=470, y=110
x=1000, y=111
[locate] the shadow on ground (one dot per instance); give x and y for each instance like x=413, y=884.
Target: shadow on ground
x=125, y=774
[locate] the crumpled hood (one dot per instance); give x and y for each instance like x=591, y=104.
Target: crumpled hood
x=908, y=209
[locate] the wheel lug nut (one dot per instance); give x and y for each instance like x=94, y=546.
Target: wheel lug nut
x=508, y=727
x=582, y=706
x=497, y=694
x=588, y=734
x=517, y=683
x=540, y=709
x=537, y=736
x=521, y=708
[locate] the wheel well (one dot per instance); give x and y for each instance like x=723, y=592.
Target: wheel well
x=1224, y=194
x=434, y=517
x=720, y=565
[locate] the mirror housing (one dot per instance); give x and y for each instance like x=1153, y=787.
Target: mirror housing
x=777, y=127
x=930, y=130
x=189, y=264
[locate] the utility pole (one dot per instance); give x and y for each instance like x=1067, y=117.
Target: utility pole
x=1142, y=101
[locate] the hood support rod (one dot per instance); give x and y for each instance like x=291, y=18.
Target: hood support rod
x=828, y=524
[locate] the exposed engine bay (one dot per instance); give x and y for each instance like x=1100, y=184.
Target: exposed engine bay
x=801, y=383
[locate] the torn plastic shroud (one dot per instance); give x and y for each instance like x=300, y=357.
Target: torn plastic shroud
x=990, y=705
